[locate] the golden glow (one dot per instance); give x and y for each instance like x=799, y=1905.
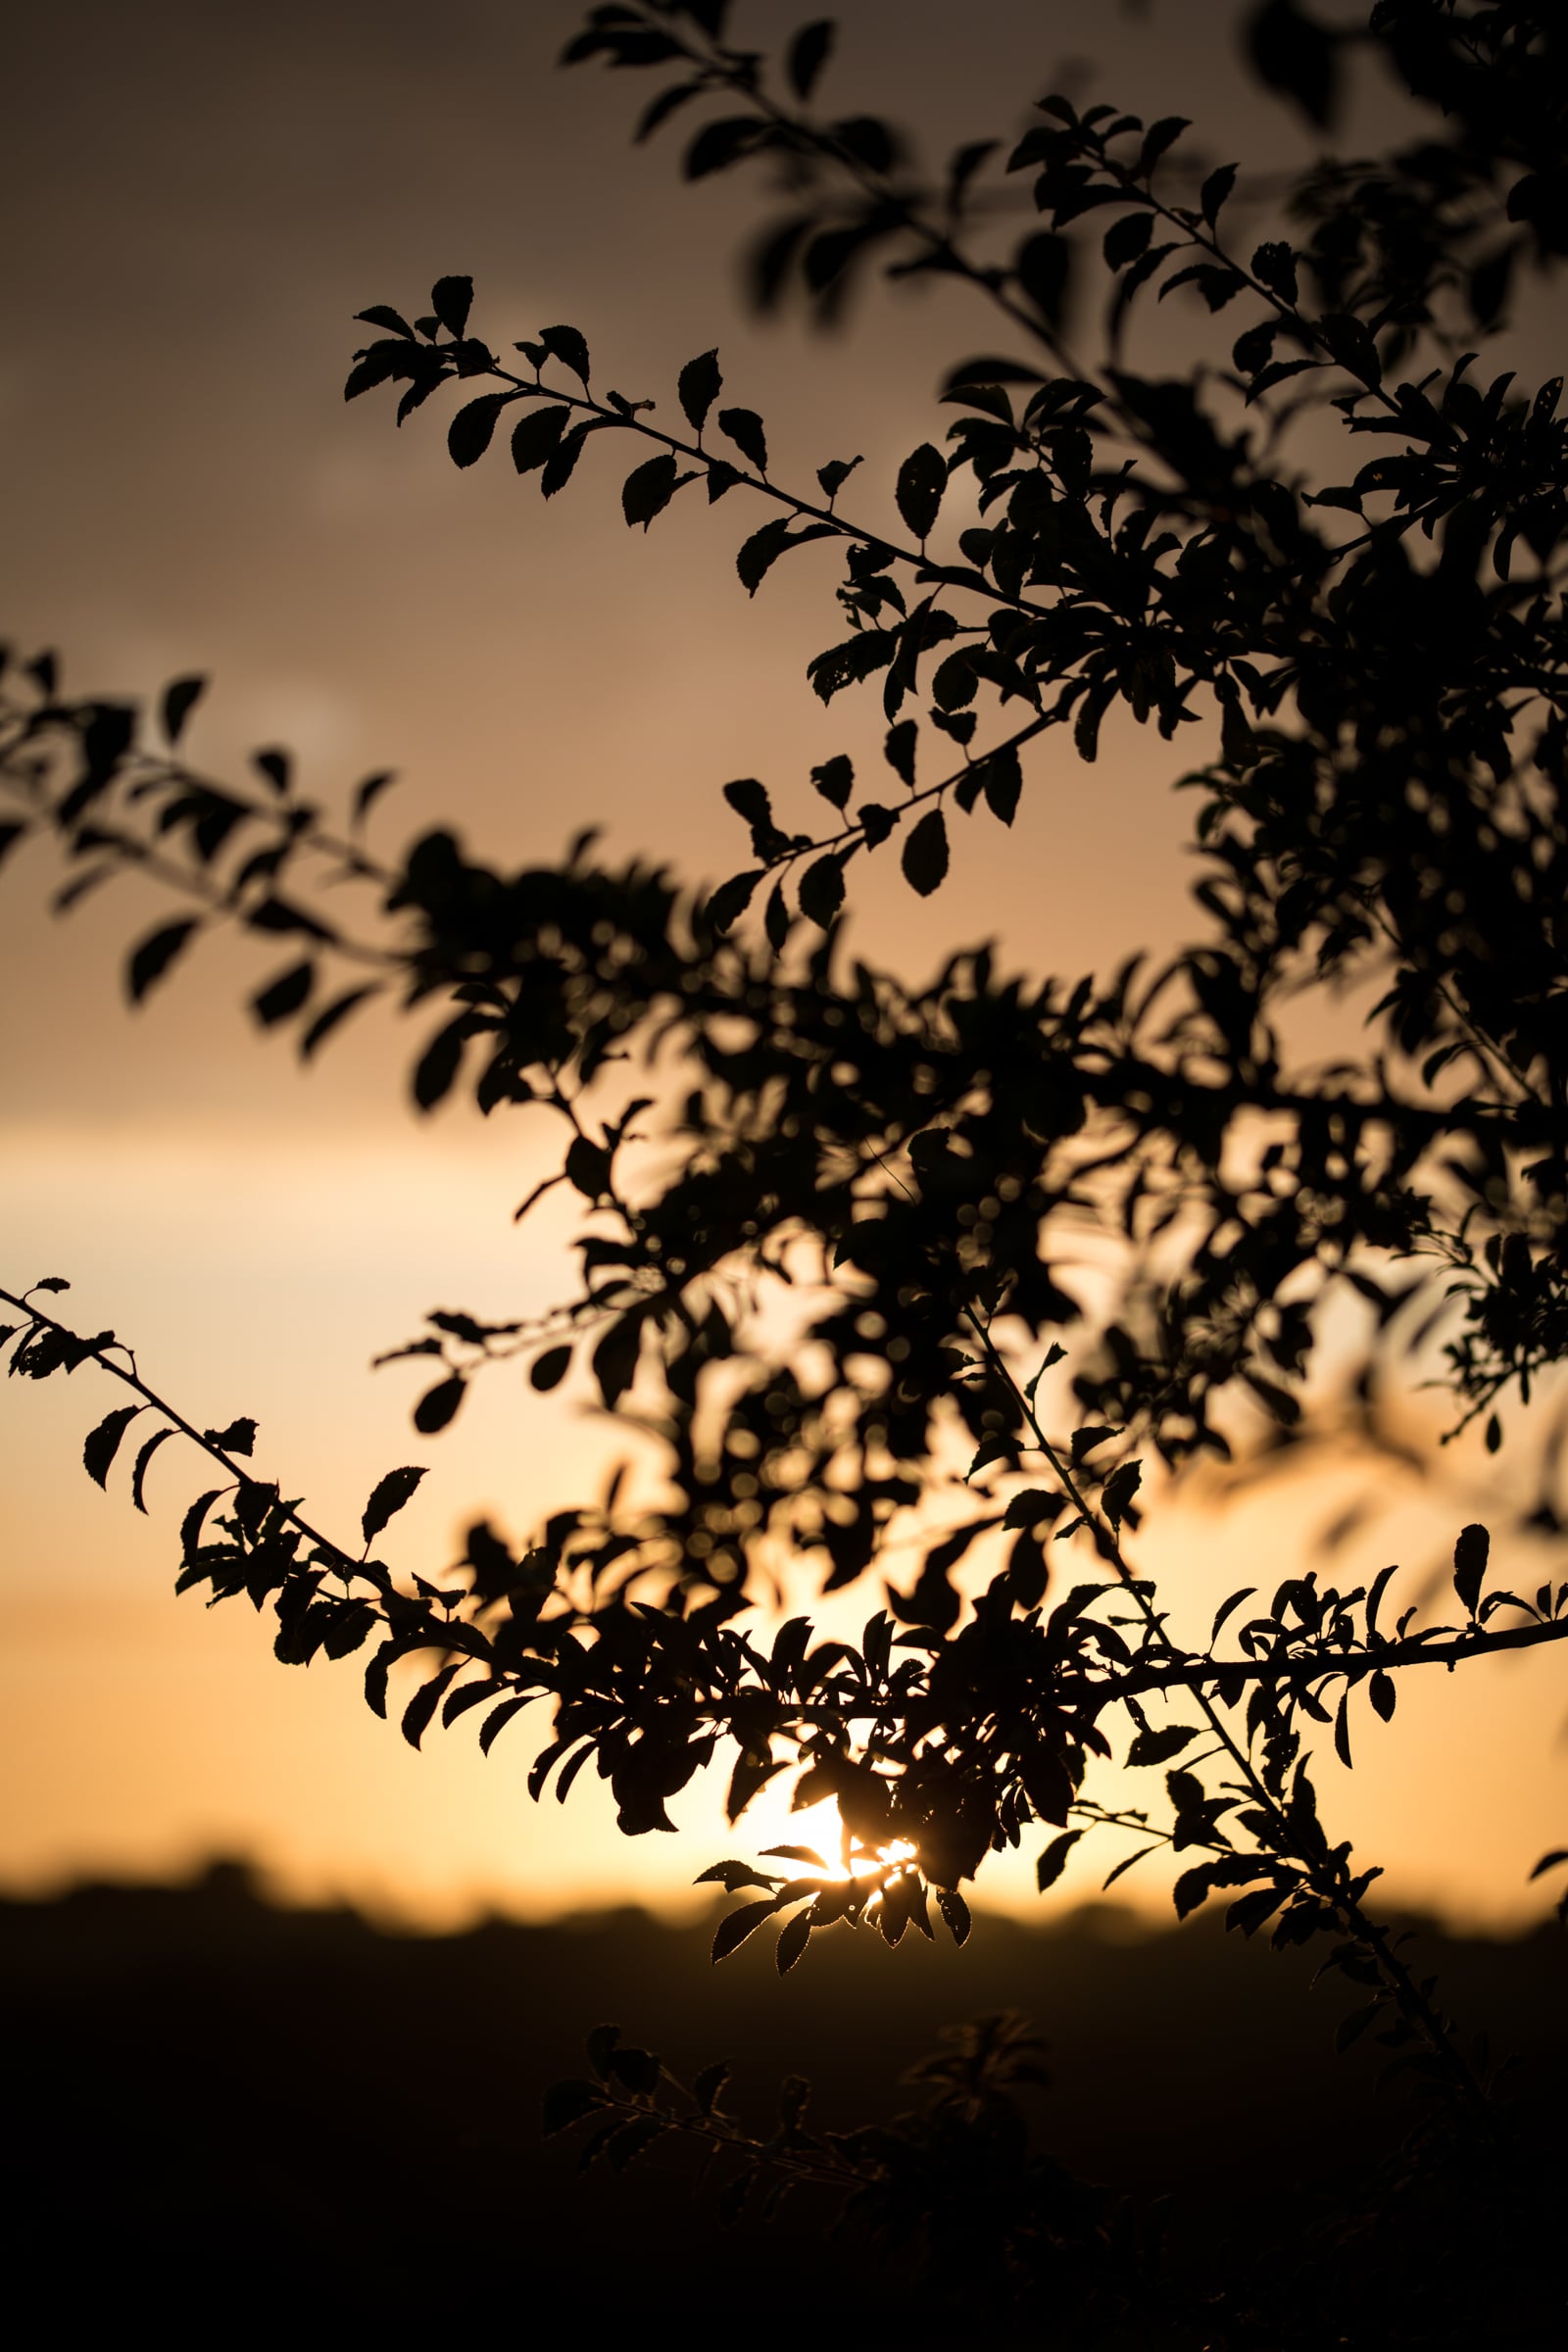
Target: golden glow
x=530, y=668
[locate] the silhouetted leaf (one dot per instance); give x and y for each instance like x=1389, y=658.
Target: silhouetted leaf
x=1158, y=1746
x=452, y=299
x=567, y=346
x=138, y=1476
x=1470, y=1556
x=709, y=2083
x=699, y=387
x=835, y=473
x=615, y=1359
x=156, y=954
x=648, y=490
x=899, y=751
x=809, y=54
x=821, y=892
x=179, y=701
x=1294, y=56
x=1054, y=1860
x=549, y=1370
x=469, y=434
x=103, y=1443
x=329, y=1018
x=438, y=1066
x=239, y=1437
x=835, y=780
x=566, y=2103
x=730, y=899
x=922, y=479
x=736, y=1926
x=387, y=1498
x=437, y=1405
x=536, y=436
x=1043, y=264
x=793, y=1942
x=925, y=854
x=743, y=427
x=284, y=994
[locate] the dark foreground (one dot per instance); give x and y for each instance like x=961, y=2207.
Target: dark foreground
x=226, y=2119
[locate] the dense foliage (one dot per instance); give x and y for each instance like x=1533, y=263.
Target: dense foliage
x=823, y=1248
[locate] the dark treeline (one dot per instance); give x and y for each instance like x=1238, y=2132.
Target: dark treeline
x=227, y=2115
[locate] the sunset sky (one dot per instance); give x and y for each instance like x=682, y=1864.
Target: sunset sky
x=197, y=201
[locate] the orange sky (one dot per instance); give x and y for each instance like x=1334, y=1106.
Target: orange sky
x=200, y=199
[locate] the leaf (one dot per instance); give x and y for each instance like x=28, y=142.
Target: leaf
x=103, y=1443
x=422, y=1705
x=615, y=1359
x=536, y=436
x=793, y=1942
x=835, y=473
x=438, y=1066
x=549, y=1370
x=1559, y=1853
x=495, y=1724
x=387, y=1498
x=729, y=902
x=452, y=299
x=1251, y=1911
x=567, y=346
x=1157, y=138
x=138, y=1477
x=648, y=491
x=1215, y=190
x=743, y=427
x=190, y=1527
x=955, y=1912
x=284, y=994
x=328, y=1020
x=1120, y=1489
x=238, y=1438
x=748, y=799
x=1126, y=239
x=925, y=854
x=1043, y=264
x=1054, y=1861
x=1295, y=57
x=469, y=434
x=835, y=780
x=156, y=954
x=1470, y=1554
x=709, y=2083
x=566, y=2103
x=698, y=387
x=1158, y=1746
x=1351, y=2028
x=821, y=892
x=1382, y=1693
x=1036, y=1506
x=437, y=1406
x=922, y=479
x=1002, y=782
x=760, y=552
x=808, y=53
x=1228, y=1607
x=1342, y=1731
x=899, y=750
x=179, y=701
x=736, y=1926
